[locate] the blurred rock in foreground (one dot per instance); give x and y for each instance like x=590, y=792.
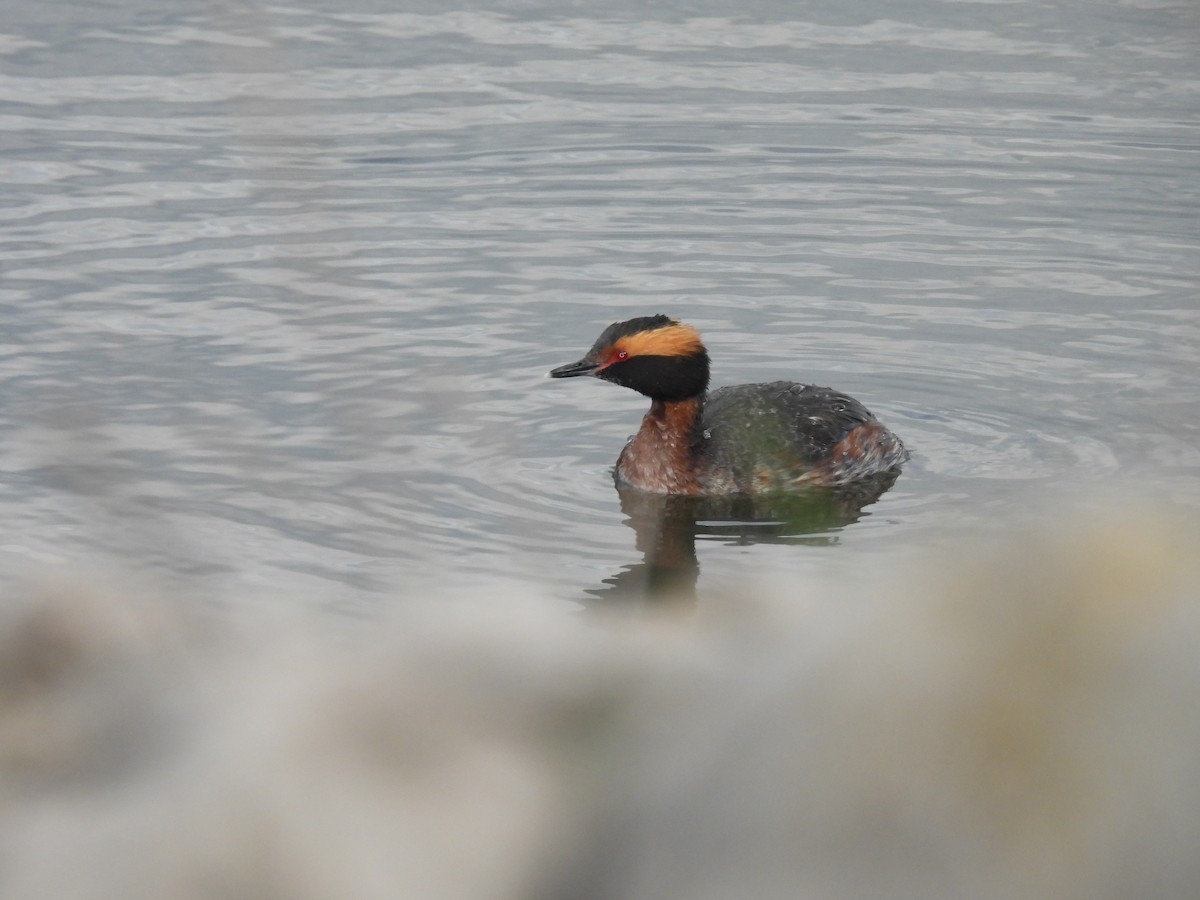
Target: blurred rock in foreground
x=1022, y=722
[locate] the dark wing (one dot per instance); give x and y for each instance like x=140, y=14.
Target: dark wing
x=747, y=423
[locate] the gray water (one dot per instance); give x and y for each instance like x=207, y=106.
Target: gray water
x=281, y=283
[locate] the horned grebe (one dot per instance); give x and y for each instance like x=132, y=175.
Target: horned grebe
x=743, y=439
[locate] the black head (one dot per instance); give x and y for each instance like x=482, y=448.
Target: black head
x=655, y=355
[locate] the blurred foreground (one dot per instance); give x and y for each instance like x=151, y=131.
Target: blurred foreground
x=1023, y=722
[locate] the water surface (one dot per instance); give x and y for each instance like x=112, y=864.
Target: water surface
x=281, y=283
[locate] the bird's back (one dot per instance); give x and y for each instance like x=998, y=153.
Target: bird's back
x=759, y=436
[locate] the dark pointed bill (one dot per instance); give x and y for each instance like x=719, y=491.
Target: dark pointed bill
x=583, y=367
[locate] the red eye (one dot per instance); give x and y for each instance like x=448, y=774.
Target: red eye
x=622, y=354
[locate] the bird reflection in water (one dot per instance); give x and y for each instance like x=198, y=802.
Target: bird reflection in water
x=667, y=526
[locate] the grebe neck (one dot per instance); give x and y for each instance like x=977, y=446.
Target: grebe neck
x=662, y=456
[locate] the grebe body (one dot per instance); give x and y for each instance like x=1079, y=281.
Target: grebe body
x=745, y=439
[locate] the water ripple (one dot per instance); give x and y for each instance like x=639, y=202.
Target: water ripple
x=280, y=284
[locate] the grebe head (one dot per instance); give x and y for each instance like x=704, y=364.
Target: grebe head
x=655, y=355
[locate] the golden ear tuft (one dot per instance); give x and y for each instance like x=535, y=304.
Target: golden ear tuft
x=675, y=339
